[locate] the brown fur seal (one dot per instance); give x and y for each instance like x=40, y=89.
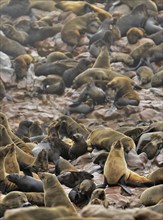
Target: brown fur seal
x=53, y=84
x=136, y=18
x=72, y=30
x=63, y=165
x=82, y=108
x=35, y=129
x=14, y=34
x=147, y=214
x=35, y=198
x=115, y=169
x=11, y=47
x=38, y=34
x=25, y=183
x=73, y=178
x=79, y=146
x=20, y=154
x=100, y=70
x=86, y=187
x=157, y=79
x=134, y=34
x=54, y=194
x=152, y=195
x=144, y=74
x=125, y=95
x=99, y=197
x=77, y=7
x=156, y=176
x=95, y=93
x=66, y=126
x=15, y=8
x=21, y=65
x=23, y=129
x=55, y=56
x=153, y=146
x=5, y=184
x=22, y=145
x=103, y=138
x=43, y=213
x=70, y=74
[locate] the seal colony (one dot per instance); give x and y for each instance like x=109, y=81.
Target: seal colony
x=93, y=144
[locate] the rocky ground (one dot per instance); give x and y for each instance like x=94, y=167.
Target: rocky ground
x=24, y=104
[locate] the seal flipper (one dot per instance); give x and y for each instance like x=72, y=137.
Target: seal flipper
x=122, y=184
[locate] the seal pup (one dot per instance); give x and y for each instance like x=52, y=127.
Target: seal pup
x=70, y=74
x=54, y=194
x=73, y=178
x=26, y=183
x=23, y=129
x=63, y=165
x=35, y=198
x=79, y=147
x=116, y=170
x=98, y=196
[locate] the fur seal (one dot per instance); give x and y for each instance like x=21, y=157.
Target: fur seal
x=116, y=171
x=14, y=34
x=147, y=214
x=144, y=74
x=73, y=178
x=66, y=126
x=101, y=70
x=11, y=47
x=15, y=8
x=20, y=154
x=35, y=198
x=15, y=199
x=156, y=176
x=21, y=65
x=125, y=95
x=63, y=165
x=103, y=138
x=79, y=146
x=56, y=56
x=153, y=146
x=70, y=74
x=134, y=34
x=152, y=53
x=23, y=129
x=5, y=185
x=21, y=144
x=35, y=129
x=157, y=79
x=12, y=200
x=38, y=34
x=82, y=108
x=98, y=196
x=136, y=18
x=151, y=26
x=35, y=213
x=72, y=30
x=157, y=37
x=95, y=93
x=26, y=183
x=54, y=194
x=152, y=195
